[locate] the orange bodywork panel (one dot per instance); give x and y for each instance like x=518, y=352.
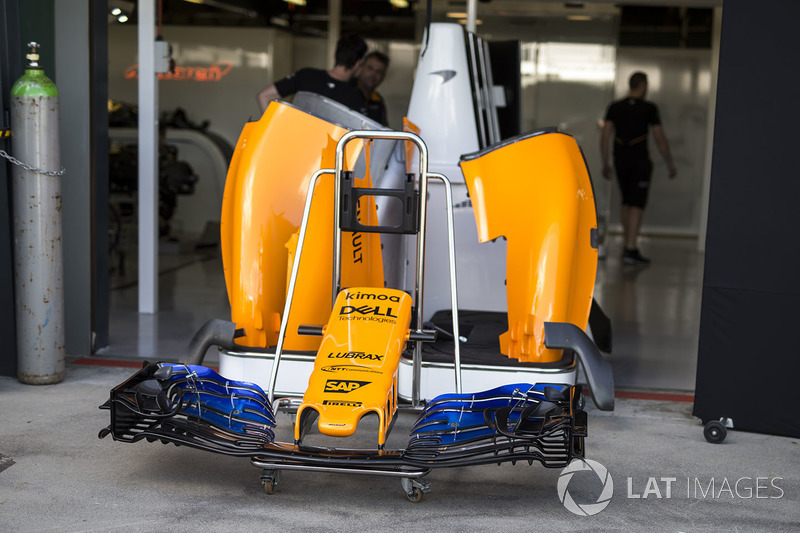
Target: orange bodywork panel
x=410, y=147
x=355, y=372
x=262, y=209
x=536, y=191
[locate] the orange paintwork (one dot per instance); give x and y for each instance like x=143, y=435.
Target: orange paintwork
x=410, y=147
x=262, y=209
x=538, y=194
x=355, y=372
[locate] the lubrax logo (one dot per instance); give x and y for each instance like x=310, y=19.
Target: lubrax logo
x=341, y=404
x=366, y=310
x=369, y=296
x=355, y=355
x=349, y=368
x=341, y=386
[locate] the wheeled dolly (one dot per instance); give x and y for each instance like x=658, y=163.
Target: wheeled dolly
x=715, y=431
x=369, y=329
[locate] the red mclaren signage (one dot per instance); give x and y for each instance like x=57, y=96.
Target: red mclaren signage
x=214, y=72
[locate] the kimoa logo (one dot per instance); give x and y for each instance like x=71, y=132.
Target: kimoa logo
x=366, y=310
x=585, y=509
x=355, y=355
x=342, y=386
x=370, y=296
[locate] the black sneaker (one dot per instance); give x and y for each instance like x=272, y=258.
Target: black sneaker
x=634, y=257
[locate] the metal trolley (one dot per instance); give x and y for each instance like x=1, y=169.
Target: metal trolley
x=194, y=406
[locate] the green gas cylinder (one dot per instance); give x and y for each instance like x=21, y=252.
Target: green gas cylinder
x=38, y=254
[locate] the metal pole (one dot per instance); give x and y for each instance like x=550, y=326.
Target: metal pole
x=451, y=249
x=334, y=29
x=148, y=160
x=472, y=15
x=287, y=306
x=488, y=92
x=476, y=82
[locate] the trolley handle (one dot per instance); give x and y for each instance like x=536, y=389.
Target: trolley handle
x=305, y=329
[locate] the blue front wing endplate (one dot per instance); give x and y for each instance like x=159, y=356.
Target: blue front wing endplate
x=195, y=406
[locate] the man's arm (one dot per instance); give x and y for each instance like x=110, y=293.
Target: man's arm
x=266, y=96
x=605, y=141
x=663, y=147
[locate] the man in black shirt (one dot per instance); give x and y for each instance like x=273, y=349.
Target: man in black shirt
x=333, y=83
x=370, y=75
x=629, y=121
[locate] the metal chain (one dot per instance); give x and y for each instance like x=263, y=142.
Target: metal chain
x=19, y=163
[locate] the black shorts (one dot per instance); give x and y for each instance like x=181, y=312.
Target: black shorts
x=633, y=175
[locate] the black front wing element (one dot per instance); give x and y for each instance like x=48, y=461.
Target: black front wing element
x=186, y=405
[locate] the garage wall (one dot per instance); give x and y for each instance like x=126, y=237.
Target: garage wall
x=216, y=82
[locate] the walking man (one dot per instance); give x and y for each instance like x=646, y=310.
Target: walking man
x=629, y=122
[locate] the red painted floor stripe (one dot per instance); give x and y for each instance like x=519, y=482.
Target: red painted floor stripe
x=659, y=396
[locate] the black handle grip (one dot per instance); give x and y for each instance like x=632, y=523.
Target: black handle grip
x=303, y=329
x=425, y=335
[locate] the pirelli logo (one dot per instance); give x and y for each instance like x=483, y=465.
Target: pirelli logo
x=341, y=404
x=342, y=386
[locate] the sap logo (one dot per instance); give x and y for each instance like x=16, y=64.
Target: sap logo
x=355, y=355
x=348, y=368
x=368, y=296
x=366, y=310
x=341, y=386
x=341, y=404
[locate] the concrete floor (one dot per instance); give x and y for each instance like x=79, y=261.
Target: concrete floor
x=56, y=475
x=655, y=314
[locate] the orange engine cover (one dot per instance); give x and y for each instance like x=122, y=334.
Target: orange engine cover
x=262, y=209
x=536, y=191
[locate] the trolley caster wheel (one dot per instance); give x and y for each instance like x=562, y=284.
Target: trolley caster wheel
x=269, y=479
x=715, y=432
x=414, y=488
x=415, y=496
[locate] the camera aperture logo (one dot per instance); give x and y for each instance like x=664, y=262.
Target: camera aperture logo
x=585, y=509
